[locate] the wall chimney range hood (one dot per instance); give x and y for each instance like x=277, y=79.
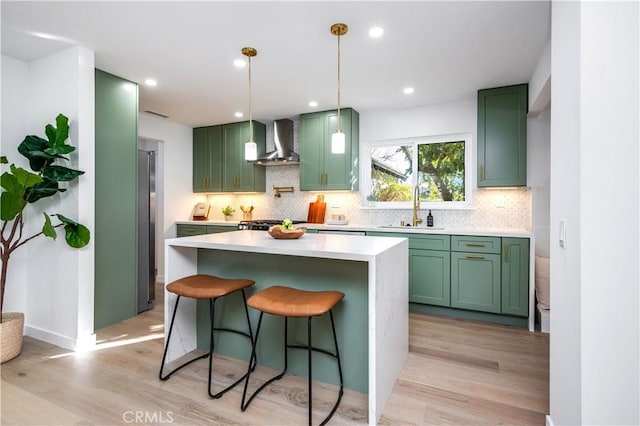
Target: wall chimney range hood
x=283, y=154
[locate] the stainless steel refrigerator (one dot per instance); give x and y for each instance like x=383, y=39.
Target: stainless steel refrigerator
x=146, y=228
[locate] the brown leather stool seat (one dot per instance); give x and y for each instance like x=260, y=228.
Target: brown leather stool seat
x=209, y=287
x=289, y=302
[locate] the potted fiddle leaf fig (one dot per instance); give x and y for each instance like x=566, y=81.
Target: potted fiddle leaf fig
x=21, y=188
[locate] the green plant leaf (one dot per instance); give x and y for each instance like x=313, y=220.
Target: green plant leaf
x=10, y=183
x=62, y=131
x=57, y=151
x=60, y=173
x=47, y=229
x=11, y=203
x=77, y=235
x=25, y=177
x=32, y=147
x=3, y=160
x=47, y=188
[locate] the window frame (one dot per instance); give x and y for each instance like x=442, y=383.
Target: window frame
x=470, y=169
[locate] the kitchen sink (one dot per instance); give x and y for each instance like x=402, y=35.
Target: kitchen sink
x=427, y=228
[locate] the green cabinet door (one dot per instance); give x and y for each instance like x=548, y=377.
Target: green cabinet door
x=116, y=221
x=515, y=276
x=475, y=281
x=312, y=151
x=207, y=157
x=339, y=168
x=320, y=169
x=238, y=174
x=502, y=136
x=430, y=277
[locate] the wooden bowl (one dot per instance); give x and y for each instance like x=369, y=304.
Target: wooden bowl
x=286, y=234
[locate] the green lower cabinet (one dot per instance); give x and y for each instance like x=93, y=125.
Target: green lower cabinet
x=430, y=277
x=515, y=276
x=475, y=281
x=216, y=229
x=184, y=230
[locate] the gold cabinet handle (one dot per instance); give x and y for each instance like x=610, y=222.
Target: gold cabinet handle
x=475, y=244
x=481, y=172
x=506, y=253
x=474, y=257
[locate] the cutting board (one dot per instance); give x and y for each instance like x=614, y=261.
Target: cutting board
x=317, y=210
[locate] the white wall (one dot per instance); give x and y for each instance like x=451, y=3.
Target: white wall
x=595, y=333
x=538, y=177
x=59, y=298
x=15, y=83
x=176, y=170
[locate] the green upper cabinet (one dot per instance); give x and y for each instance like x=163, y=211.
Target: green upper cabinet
x=319, y=168
x=502, y=136
x=515, y=276
x=207, y=152
x=240, y=175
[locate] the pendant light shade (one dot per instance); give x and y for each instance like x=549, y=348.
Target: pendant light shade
x=337, y=142
x=338, y=138
x=250, y=147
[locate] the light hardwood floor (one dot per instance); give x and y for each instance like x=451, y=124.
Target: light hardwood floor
x=457, y=373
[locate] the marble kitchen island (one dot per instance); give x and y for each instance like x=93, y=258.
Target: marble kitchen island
x=371, y=322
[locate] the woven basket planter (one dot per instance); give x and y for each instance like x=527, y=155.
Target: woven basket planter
x=11, y=331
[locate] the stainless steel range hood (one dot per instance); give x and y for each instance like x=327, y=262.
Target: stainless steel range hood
x=283, y=138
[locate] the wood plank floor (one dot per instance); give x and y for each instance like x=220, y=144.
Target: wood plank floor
x=457, y=373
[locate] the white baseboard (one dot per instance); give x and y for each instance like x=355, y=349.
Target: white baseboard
x=81, y=343
x=548, y=420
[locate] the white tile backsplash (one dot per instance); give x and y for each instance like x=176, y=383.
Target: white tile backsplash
x=515, y=213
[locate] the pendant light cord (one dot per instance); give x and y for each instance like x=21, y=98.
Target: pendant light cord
x=250, y=115
x=338, y=129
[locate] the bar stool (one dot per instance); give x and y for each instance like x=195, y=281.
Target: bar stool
x=293, y=303
x=208, y=287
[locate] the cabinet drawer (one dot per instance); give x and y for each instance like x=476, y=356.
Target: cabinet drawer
x=190, y=230
x=419, y=241
x=476, y=244
x=214, y=229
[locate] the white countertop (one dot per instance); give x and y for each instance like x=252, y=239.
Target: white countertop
x=487, y=232
x=343, y=247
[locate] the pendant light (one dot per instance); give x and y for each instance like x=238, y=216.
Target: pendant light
x=338, y=138
x=250, y=147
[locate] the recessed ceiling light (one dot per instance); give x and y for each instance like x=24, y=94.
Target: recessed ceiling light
x=376, y=32
x=408, y=90
x=150, y=82
x=313, y=104
x=239, y=63
x=239, y=114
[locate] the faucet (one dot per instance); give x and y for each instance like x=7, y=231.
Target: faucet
x=416, y=205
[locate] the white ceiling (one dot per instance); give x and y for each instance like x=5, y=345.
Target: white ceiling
x=445, y=50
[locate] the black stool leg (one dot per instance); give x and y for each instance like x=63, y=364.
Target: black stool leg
x=252, y=360
x=243, y=405
x=166, y=348
x=337, y=356
x=309, y=349
x=309, y=352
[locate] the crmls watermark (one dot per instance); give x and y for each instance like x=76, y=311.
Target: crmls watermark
x=148, y=417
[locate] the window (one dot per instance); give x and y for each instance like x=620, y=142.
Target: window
x=439, y=166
